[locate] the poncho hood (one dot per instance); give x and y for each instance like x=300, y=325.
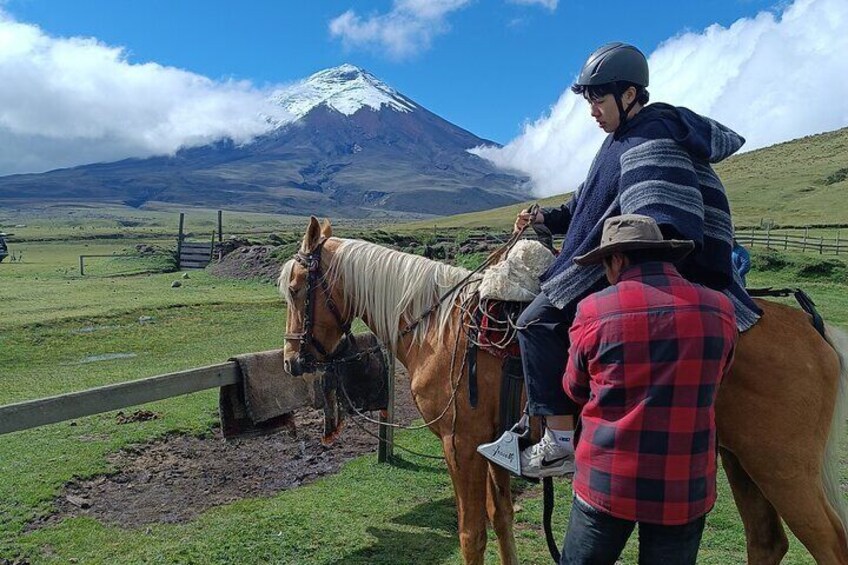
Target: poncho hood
x=705, y=139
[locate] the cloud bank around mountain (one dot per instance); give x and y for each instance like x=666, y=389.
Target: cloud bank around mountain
x=772, y=78
x=68, y=101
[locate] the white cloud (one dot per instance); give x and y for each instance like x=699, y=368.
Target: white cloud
x=549, y=4
x=770, y=78
x=68, y=101
x=406, y=30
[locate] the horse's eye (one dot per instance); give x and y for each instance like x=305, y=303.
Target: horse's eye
x=293, y=290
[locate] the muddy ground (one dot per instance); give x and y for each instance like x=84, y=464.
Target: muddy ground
x=174, y=479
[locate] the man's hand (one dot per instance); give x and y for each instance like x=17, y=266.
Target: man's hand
x=531, y=215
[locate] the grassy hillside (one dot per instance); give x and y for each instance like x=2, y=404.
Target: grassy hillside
x=797, y=183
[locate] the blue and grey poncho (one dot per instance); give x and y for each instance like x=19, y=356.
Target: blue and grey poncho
x=659, y=166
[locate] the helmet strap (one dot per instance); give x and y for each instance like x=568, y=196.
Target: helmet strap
x=622, y=112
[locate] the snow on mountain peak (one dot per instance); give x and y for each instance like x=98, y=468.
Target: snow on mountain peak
x=345, y=88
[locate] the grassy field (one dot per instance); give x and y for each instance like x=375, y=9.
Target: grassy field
x=61, y=332
x=797, y=183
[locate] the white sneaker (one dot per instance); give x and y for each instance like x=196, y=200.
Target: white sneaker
x=547, y=459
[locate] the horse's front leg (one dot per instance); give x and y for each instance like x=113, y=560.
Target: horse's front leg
x=468, y=473
x=501, y=513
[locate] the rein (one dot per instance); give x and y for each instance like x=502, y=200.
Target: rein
x=316, y=280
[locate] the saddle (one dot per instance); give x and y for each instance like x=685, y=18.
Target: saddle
x=493, y=328
x=505, y=290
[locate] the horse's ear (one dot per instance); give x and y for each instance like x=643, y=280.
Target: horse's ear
x=313, y=234
x=326, y=229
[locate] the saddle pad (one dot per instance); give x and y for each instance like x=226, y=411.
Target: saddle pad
x=516, y=278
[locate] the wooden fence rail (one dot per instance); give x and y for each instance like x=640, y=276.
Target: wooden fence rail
x=54, y=409
x=34, y=413
x=792, y=242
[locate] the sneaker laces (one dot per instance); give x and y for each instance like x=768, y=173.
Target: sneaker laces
x=546, y=445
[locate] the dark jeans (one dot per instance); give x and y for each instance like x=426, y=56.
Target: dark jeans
x=596, y=538
x=544, y=351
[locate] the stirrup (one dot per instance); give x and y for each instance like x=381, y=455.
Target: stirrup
x=505, y=451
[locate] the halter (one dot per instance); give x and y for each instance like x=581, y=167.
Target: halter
x=315, y=279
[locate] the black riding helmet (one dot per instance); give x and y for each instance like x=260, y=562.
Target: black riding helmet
x=614, y=63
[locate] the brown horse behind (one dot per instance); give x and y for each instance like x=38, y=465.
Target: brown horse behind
x=779, y=412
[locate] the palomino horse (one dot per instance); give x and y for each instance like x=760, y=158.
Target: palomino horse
x=779, y=412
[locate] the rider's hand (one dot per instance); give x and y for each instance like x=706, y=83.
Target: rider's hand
x=526, y=217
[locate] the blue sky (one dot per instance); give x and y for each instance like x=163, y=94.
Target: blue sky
x=498, y=65
x=100, y=80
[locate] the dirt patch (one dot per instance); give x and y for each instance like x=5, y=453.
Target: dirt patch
x=250, y=262
x=176, y=478
x=137, y=416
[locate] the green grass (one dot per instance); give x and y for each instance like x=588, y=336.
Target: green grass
x=797, y=183
x=93, y=221
x=794, y=183
x=54, y=323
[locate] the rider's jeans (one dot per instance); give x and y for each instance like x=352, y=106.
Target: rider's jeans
x=597, y=538
x=544, y=351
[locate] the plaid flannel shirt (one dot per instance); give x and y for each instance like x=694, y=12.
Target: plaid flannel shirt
x=646, y=359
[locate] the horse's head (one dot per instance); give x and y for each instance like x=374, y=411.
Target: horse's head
x=318, y=318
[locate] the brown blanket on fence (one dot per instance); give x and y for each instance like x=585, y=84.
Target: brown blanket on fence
x=266, y=396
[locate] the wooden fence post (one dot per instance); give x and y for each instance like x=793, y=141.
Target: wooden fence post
x=180, y=240
x=385, y=450
x=752, y=236
x=785, y=241
x=837, y=241
x=768, y=237
x=821, y=245
x=804, y=247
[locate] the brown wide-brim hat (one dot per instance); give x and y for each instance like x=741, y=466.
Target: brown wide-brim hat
x=632, y=232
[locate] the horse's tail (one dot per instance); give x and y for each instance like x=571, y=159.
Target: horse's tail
x=838, y=339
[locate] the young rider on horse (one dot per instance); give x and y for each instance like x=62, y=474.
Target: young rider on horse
x=655, y=162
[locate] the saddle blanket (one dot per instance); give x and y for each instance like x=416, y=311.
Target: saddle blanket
x=516, y=278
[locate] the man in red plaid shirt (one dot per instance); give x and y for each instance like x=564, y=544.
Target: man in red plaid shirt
x=646, y=358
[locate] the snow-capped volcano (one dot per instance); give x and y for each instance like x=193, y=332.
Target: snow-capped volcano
x=356, y=148
x=346, y=89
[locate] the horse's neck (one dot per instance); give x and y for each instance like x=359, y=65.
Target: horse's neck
x=408, y=347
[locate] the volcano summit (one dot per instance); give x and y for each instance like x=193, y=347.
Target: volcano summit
x=355, y=147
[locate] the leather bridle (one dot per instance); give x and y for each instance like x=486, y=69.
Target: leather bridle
x=315, y=280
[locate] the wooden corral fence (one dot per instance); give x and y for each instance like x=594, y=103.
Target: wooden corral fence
x=194, y=254
x=773, y=239
x=34, y=413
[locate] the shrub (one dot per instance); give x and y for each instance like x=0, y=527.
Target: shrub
x=285, y=252
x=768, y=260
x=820, y=268
x=837, y=176
x=470, y=261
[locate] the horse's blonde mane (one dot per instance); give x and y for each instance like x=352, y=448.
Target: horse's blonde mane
x=390, y=287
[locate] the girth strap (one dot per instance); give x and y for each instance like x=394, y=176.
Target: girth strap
x=471, y=359
x=804, y=300
x=512, y=384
